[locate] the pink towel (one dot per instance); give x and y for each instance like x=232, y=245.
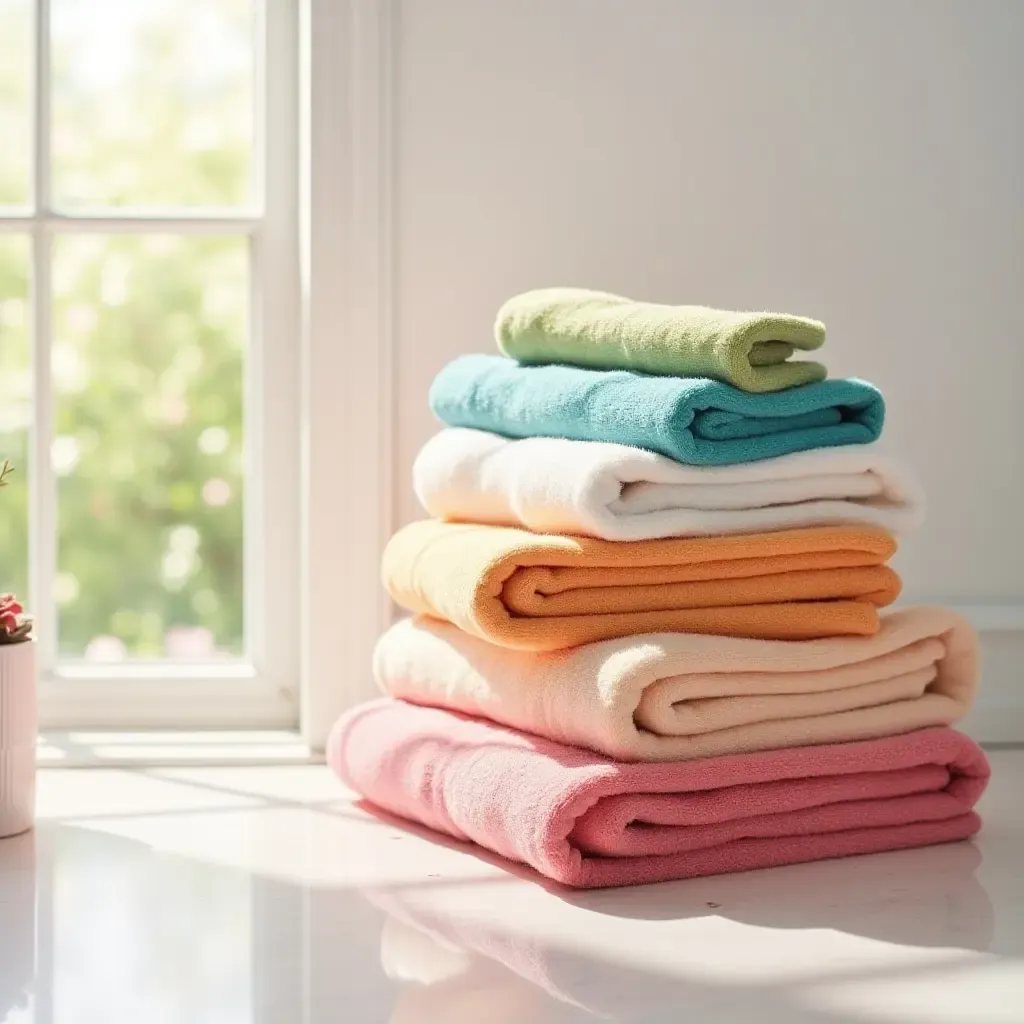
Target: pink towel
x=586, y=821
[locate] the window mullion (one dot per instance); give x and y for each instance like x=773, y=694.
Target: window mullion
x=131, y=221
x=268, y=27
x=41, y=111
x=42, y=481
x=136, y=222
x=42, y=486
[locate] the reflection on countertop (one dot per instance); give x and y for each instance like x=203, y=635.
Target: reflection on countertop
x=471, y=956
x=17, y=920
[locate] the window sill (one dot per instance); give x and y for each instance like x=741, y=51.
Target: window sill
x=157, y=749
x=148, y=703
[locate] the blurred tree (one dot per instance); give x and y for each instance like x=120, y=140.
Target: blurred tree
x=148, y=340
x=15, y=78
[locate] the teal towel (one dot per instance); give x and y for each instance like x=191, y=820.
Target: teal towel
x=690, y=419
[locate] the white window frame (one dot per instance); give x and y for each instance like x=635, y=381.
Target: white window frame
x=261, y=691
x=347, y=223
x=320, y=368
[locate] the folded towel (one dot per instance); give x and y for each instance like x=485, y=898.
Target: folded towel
x=552, y=485
x=679, y=696
x=689, y=419
x=587, y=821
x=608, y=332
x=542, y=592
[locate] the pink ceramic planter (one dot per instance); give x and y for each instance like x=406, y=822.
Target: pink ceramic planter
x=17, y=737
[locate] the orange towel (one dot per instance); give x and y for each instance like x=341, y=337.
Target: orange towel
x=543, y=592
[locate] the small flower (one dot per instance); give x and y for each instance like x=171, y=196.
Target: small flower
x=14, y=624
x=9, y=612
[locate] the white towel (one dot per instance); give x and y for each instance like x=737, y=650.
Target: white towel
x=611, y=491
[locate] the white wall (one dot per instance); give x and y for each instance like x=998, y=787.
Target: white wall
x=859, y=162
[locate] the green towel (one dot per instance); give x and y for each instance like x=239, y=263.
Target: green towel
x=607, y=332
x=689, y=419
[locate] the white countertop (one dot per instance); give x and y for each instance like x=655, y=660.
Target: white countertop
x=231, y=895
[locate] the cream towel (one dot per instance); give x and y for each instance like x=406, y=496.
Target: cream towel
x=612, y=491
x=678, y=696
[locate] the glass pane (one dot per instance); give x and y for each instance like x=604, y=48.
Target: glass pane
x=15, y=101
x=152, y=102
x=148, y=352
x=15, y=412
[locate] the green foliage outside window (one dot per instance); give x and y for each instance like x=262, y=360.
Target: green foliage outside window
x=148, y=337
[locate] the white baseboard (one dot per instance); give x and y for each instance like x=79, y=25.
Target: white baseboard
x=990, y=723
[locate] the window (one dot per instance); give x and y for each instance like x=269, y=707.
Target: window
x=149, y=332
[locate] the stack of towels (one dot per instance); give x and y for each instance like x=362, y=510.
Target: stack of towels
x=647, y=639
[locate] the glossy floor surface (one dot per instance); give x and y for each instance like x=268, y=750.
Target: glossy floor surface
x=231, y=895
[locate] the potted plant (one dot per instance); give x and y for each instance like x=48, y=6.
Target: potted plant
x=17, y=713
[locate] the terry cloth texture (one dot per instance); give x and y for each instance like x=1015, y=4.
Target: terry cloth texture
x=587, y=821
x=543, y=592
x=607, y=332
x=680, y=696
x=689, y=419
x=597, y=489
